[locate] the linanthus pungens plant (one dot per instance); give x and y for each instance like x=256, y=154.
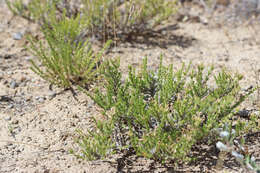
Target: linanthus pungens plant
x=159, y=114
x=228, y=144
x=66, y=58
x=119, y=18
x=104, y=18
x=33, y=10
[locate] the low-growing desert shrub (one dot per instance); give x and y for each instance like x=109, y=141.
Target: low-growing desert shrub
x=126, y=18
x=105, y=19
x=159, y=114
x=33, y=10
x=66, y=59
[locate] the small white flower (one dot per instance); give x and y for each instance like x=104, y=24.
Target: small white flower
x=253, y=159
x=221, y=146
x=238, y=156
x=224, y=134
x=153, y=150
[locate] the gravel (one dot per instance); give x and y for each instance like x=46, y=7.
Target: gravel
x=13, y=84
x=17, y=36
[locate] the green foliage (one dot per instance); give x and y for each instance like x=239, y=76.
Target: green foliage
x=228, y=144
x=160, y=114
x=126, y=17
x=66, y=57
x=104, y=18
x=99, y=142
x=34, y=10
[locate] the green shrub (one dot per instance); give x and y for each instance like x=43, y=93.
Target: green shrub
x=34, y=10
x=105, y=18
x=118, y=18
x=159, y=114
x=67, y=57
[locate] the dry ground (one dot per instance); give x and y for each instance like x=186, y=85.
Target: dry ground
x=37, y=126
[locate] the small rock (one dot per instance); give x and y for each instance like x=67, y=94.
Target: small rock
x=17, y=36
x=88, y=114
x=13, y=84
x=5, y=82
x=18, y=129
x=10, y=106
x=37, y=97
x=52, y=94
x=15, y=122
x=164, y=32
x=28, y=58
x=90, y=103
x=23, y=79
x=40, y=99
x=23, y=84
x=8, y=145
x=9, y=72
x=29, y=139
x=7, y=56
x=8, y=118
x=28, y=98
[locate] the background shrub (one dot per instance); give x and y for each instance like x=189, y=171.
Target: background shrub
x=33, y=10
x=121, y=18
x=67, y=59
x=105, y=19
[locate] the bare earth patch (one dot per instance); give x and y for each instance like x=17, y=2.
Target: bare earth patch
x=37, y=125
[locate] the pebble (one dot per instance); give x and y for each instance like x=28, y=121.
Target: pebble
x=5, y=82
x=15, y=122
x=18, y=129
x=17, y=36
x=40, y=99
x=10, y=106
x=8, y=118
x=88, y=114
x=13, y=84
x=23, y=84
x=29, y=139
x=164, y=32
x=9, y=72
x=90, y=103
x=6, y=56
x=8, y=145
x=28, y=58
x=37, y=97
x=28, y=98
x=51, y=94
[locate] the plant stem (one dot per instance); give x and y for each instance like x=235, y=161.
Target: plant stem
x=221, y=158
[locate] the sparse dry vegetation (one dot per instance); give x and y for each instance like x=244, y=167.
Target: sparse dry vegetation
x=165, y=113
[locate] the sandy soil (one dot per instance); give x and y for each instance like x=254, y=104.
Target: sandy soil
x=37, y=126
